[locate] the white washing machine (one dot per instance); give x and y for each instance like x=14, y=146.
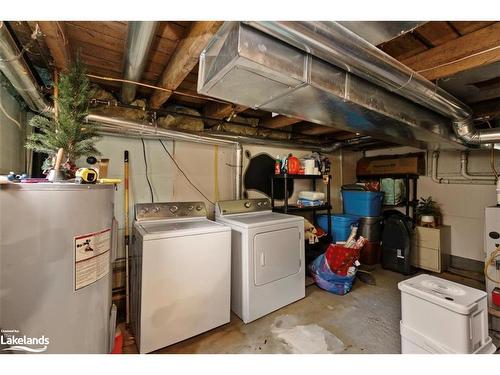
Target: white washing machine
x=268, y=267
x=180, y=273
x=491, y=243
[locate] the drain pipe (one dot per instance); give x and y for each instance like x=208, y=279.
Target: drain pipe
x=239, y=171
x=460, y=181
x=463, y=170
x=15, y=68
x=338, y=45
x=140, y=36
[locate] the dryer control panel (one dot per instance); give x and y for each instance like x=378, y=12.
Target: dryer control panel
x=169, y=210
x=242, y=206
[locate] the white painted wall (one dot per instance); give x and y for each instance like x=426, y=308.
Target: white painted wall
x=462, y=206
x=198, y=162
x=167, y=182
x=12, y=151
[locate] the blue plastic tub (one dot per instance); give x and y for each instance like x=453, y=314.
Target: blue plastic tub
x=362, y=203
x=341, y=225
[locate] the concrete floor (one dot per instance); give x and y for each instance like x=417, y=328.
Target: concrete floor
x=366, y=320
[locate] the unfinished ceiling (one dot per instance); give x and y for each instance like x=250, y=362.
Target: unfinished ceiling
x=461, y=57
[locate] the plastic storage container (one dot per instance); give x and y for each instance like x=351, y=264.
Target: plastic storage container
x=370, y=253
x=370, y=227
x=440, y=316
x=341, y=225
x=362, y=203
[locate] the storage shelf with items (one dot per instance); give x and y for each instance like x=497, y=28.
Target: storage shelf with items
x=286, y=207
x=410, y=188
x=406, y=168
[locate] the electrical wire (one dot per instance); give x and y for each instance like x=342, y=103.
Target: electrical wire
x=460, y=59
x=10, y=117
x=157, y=88
x=146, y=165
x=184, y=174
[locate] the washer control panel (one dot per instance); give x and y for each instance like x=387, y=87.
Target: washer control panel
x=243, y=206
x=169, y=210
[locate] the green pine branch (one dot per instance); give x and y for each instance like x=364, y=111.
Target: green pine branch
x=69, y=131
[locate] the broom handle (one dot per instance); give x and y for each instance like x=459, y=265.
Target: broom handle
x=59, y=158
x=127, y=282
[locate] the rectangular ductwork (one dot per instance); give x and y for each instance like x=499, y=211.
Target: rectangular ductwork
x=248, y=67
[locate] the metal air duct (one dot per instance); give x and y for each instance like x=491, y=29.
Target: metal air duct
x=14, y=67
x=250, y=68
x=325, y=73
x=338, y=45
x=140, y=37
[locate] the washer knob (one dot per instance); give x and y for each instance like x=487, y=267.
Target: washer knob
x=264, y=203
x=199, y=208
x=190, y=208
x=259, y=203
x=173, y=209
x=248, y=204
x=156, y=209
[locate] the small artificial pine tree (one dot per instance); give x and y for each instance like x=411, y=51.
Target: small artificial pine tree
x=69, y=129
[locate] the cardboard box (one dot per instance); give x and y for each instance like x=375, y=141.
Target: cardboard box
x=392, y=165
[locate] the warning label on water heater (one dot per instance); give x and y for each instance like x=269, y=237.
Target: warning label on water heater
x=92, y=255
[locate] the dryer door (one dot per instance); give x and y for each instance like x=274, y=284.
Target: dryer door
x=276, y=255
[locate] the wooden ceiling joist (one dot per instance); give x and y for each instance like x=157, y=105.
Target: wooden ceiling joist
x=312, y=129
x=478, y=48
x=184, y=59
x=222, y=110
x=280, y=121
x=57, y=42
x=488, y=108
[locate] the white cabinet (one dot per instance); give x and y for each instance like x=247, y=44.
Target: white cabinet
x=431, y=249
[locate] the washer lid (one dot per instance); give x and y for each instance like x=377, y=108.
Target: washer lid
x=452, y=296
x=259, y=219
x=182, y=227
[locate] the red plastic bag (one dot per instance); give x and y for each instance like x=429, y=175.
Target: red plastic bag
x=340, y=258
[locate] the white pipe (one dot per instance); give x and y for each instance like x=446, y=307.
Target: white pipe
x=239, y=171
x=461, y=181
x=465, y=174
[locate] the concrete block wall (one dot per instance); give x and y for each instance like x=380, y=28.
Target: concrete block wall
x=168, y=184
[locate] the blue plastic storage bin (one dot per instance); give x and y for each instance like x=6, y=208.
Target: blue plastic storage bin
x=362, y=203
x=341, y=225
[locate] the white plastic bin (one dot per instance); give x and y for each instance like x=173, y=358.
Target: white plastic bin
x=440, y=316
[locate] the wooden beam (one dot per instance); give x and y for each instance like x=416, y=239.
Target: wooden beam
x=469, y=51
x=222, y=110
x=57, y=41
x=280, y=121
x=319, y=130
x=184, y=59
